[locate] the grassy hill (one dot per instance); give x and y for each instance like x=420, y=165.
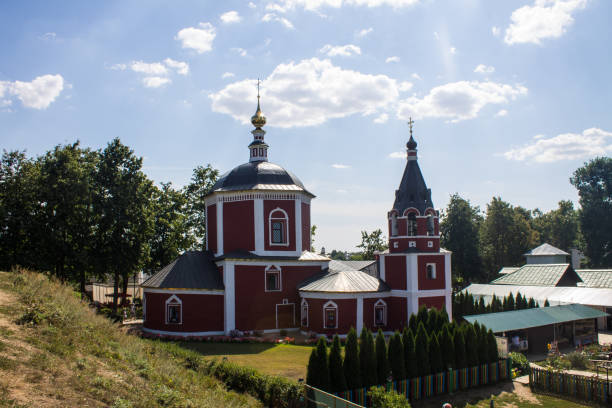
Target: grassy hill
x=56, y=352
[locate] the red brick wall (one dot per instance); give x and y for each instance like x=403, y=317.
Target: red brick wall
x=193, y=318
x=238, y=226
x=395, y=272
x=429, y=284
x=397, y=313
x=289, y=207
x=211, y=227
x=433, y=301
x=305, y=227
x=347, y=315
x=368, y=314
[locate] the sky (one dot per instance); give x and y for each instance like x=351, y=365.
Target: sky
x=508, y=98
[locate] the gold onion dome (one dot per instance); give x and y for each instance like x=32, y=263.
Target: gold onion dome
x=258, y=119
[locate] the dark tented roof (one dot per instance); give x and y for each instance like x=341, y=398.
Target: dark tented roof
x=191, y=270
x=540, y=316
x=259, y=175
x=413, y=191
x=546, y=249
x=345, y=281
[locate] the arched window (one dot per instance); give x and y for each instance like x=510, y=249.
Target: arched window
x=380, y=313
x=304, y=316
x=174, y=310
x=273, y=279
x=412, y=224
x=431, y=271
x=330, y=315
x=278, y=224
x=393, y=224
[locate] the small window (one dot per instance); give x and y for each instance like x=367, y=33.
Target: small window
x=174, y=312
x=278, y=227
x=412, y=225
x=330, y=315
x=254, y=152
x=278, y=232
x=261, y=153
x=431, y=271
x=304, y=313
x=380, y=313
x=273, y=279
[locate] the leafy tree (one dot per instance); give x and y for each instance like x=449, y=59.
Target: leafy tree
x=410, y=357
x=459, y=233
x=381, y=398
x=367, y=358
x=337, y=381
x=351, y=361
x=559, y=227
x=202, y=181
x=337, y=255
x=493, y=353
x=594, y=184
x=313, y=231
x=371, y=243
x=447, y=347
x=396, y=357
x=435, y=355
x=422, y=351
x=382, y=364
x=460, y=352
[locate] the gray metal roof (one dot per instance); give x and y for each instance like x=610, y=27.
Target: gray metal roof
x=259, y=175
x=508, y=269
x=343, y=282
x=540, y=275
x=349, y=265
x=191, y=270
x=246, y=255
x=540, y=316
x=546, y=249
x=595, y=278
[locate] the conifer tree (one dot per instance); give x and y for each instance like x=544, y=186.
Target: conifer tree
x=505, y=304
x=382, y=364
x=337, y=381
x=447, y=347
x=443, y=315
x=322, y=370
x=422, y=316
x=409, y=353
x=432, y=320
x=483, y=346
x=481, y=306
x=460, y=352
x=532, y=303
x=435, y=355
x=396, y=357
x=511, y=303
x=413, y=323
x=492, y=343
x=422, y=351
x=546, y=303
x=351, y=361
x=372, y=374
x=367, y=359
x=471, y=345
x=312, y=376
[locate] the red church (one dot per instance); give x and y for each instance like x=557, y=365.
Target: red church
x=258, y=272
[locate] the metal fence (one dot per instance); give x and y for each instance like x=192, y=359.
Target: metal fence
x=321, y=399
x=577, y=386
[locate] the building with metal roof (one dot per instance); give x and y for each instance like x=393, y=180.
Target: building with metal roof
x=540, y=275
x=595, y=278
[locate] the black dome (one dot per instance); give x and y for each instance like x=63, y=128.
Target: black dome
x=259, y=175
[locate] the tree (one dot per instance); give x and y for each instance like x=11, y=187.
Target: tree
x=382, y=364
x=422, y=351
x=313, y=231
x=546, y=303
x=322, y=368
x=559, y=227
x=435, y=354
x=337, y=255
x=531, y=303
x=422, y=316
x=594, y=184
x=460, y=352
x=471, y=342
x=351, y=361
x=493, y=353
x=511, y=304
x=396, y=357
x=410, y=357
x=367, y=359
x=447, y=347
x=413, y=323
x=371, y=243
x=459, y=233
x=381, y=398
x=337, y=380
x=312, y=372
x=202, y=181
x=483, y=346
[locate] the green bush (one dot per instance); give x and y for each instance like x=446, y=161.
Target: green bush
x=520, y=361
x=383, y=399
x=578, y=360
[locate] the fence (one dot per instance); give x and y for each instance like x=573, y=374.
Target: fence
x=440, y=383
x=577, y=386
x=322, y=399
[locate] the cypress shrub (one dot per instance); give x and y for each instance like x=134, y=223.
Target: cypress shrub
x=460, y=353
x=531, y=304
x=372, y=374
x=432, y=320
x=422, y=316
x=337, y=381
x=382, y=364
x=546, y=303
x=396, y=357
x=511, y=303
x=435, y=355
x=481, y=306
x=443, y=317
x=492, y=349
x=413, y=323
x=483, y=346
x=505, y=304
x=447, y=347
x=351, y=361
x=322, y=370
x=311, y=371
x=367, y=359
x=409, y=353
x=422, y=351
x=471, y=343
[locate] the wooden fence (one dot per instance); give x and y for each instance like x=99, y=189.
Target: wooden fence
x=577, y=386
x=440, y=383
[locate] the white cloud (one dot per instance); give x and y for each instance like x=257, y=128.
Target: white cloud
x=501, y=113
x=382, y=118
x=340, y=50
x=405, y=86
x=228, y=75
x=240, y=51
x=154, y=68
x=36, y=94
x=181, y=68
x=394, y=58
x=48, y=36
x=567, y=146
x=459, y=100
x=308, y=93
x=273, y=17
x=198, y=39
x=155, y=81
x=495, y=31
x=231, y=17
x=484, y=69
x=313, y=5
x=119, y=67
x=252, y=5
x=544, y=19
x=340, y=166
x=362, y=33
x=397, y=155
x=453, y=50
x=416, y=76
x=436, y=35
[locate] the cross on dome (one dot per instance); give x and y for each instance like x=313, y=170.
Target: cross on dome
x=258, y=148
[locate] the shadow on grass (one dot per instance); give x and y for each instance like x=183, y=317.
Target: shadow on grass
x=226, y=349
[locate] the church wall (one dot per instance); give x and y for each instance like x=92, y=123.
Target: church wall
x=238, y=226
x=211, y=228
x=347, y=315
x=201, y=313
x=430, y=284
x=433, y=301
x=289, y=207
x=368, y=314
x=395, y=272
x=397, y=313
x=305, y=227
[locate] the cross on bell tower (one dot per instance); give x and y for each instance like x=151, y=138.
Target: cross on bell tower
x=258, y=147
x=411, y=146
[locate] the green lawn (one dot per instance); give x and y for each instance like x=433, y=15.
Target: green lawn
x=286, y=360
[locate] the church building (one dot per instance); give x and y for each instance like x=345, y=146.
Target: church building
x=258, y=272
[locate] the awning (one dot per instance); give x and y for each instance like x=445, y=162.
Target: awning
x=541, y=316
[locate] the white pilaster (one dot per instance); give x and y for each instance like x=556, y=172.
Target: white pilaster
x=412, y=280
x=258, y=218
x=219, y=227
x=298, y=226
x=230, y=297
x=381, y=272
x=449, y=284
x=359, y=322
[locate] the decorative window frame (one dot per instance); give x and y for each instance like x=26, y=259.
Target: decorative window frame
x=285, y=220
x=380, y=303
x=433, y=269
x=173, y=301
x=304, y=306
x=273, y=269
x=330, y=305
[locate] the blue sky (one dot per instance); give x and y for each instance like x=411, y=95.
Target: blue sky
x=508, y=98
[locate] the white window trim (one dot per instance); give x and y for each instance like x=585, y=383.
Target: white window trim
x=330, y=305
x=304, y=303
x=286, y=218
x=174, y=299
x=382, y=303
x=433, y=267
x=280, y=278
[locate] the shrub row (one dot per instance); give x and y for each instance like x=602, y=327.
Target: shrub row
x=465, y=304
